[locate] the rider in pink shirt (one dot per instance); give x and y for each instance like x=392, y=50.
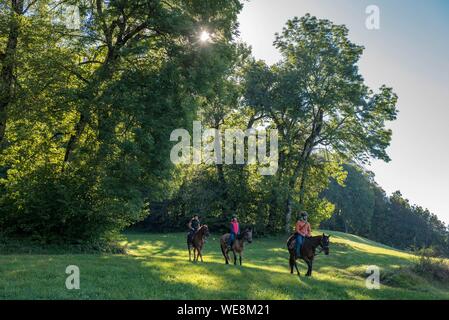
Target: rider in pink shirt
x=234, y=231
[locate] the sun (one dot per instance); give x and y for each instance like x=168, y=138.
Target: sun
x=204, y=36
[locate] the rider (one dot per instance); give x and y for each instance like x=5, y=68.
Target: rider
x=302, y=230
x=234, y=231
x=194, y=224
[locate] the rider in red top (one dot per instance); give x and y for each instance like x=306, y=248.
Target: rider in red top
x=303, y=230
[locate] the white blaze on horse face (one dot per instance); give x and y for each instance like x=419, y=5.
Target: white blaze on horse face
x=373, y=280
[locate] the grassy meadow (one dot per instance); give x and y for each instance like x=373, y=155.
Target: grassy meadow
x=157, y=267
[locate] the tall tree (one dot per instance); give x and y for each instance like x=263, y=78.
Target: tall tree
x=318, y=100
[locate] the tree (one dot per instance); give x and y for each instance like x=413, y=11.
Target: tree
x=354, y=202
x=317, y=99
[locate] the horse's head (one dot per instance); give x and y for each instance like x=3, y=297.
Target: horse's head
x=206, y=232
x=248, y=235
x=324, y=243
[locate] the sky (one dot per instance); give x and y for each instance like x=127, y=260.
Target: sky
x=409, y=52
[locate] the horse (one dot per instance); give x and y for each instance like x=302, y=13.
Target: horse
x=197, y=242
x=237, y=246
x=308, y=249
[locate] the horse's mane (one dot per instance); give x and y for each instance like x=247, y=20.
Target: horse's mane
x=308, y=240
x=315, y=240
x=240, y=236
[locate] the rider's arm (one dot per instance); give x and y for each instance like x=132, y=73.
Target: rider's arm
x=190, y=224
x=298, y=227
x=309, y=230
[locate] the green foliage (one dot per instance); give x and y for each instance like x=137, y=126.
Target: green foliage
x=318, y=101
x=87, y=137
x=324, y=113
x=354, y=202
x=436, y=269
x=363, y=208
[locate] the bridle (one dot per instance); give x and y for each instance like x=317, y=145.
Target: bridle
x=321, y=248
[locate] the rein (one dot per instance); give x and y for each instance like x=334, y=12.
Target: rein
x=200, y=233
x=319, y=248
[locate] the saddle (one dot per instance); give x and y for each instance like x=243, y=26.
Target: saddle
x=191, y=234
x=291, y=242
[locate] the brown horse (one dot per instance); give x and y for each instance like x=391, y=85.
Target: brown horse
x=237, y=246
x=308, y=251
x=197, y=243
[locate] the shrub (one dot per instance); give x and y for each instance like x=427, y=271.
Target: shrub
x=436, y=269
x=65, y=208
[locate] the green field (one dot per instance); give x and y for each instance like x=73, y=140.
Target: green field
x=157, y=267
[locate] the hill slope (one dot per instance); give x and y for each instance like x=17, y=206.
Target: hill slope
x=157, y=267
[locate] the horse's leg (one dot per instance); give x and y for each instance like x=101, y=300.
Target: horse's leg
x=240, y=258
x=201, y=255
x=195, y=258
x=291, y=263
x=224, y=253
x=296, y=267
x=235, y=257
x=309, y=267
x=190, y=254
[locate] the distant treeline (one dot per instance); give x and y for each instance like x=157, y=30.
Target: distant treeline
x=363, y=208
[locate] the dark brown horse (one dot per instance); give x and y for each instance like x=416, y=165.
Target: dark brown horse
x=197, y=243
x=237, y=246
x=308, y=251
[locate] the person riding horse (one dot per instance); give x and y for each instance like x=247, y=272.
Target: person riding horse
x=302, y=231
x=234, y=231
x=194, y=224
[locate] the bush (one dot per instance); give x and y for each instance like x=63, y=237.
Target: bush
x=436, y=269
x=10, y=245
x=64, y=209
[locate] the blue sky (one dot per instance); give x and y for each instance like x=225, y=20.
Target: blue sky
x=410, y=52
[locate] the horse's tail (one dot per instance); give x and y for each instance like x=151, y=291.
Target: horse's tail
x=189, y=240
x=222, y=250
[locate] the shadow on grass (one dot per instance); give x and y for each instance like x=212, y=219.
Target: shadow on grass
x=157, y=267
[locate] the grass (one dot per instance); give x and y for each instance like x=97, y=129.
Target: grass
x=157, y=267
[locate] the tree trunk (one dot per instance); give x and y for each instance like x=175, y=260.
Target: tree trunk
x=288, y=215
x=301, y=166
x=9, y=61
x=302, y=187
